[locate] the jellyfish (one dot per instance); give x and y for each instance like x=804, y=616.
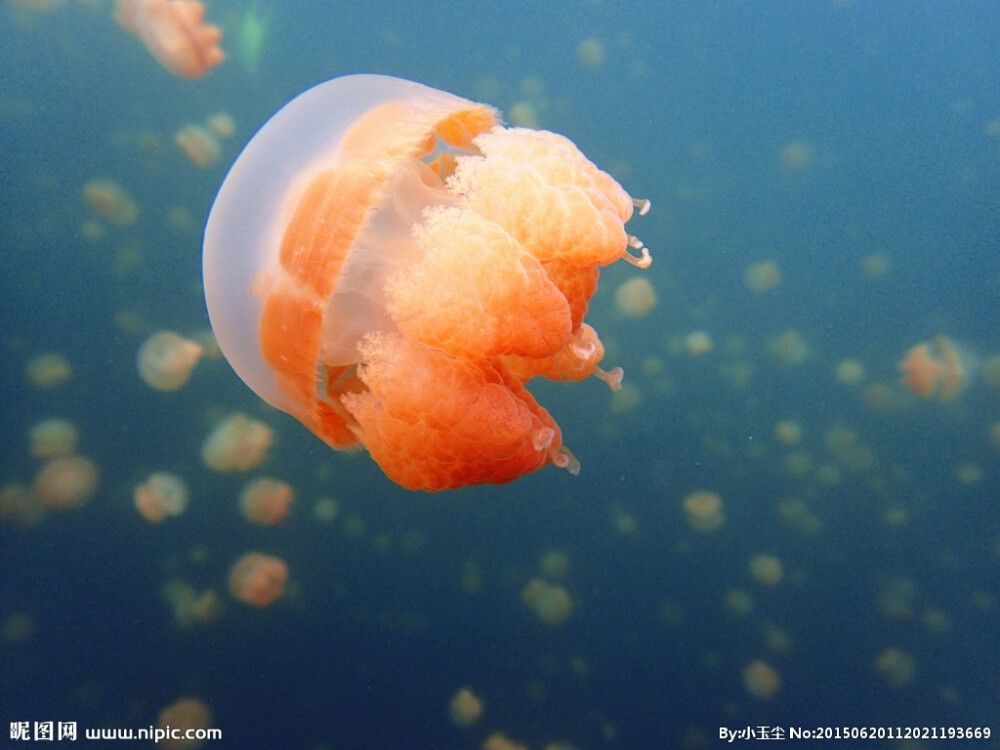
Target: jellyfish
x=704, y=511
x=390, y=266
x=465, y=708
x=107, y=199
x=49, y=370
x=52, y=438
x=161, y=496
x=66, y=482
x=180, y=717
x=174, y=32
x=761, y=680
x=937, y=369
x=266, y=501
x=166, y=360
x=199, y=144
x=258, y=580
x=237, y=443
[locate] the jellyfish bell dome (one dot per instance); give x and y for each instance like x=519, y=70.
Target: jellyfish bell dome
x=248, y=218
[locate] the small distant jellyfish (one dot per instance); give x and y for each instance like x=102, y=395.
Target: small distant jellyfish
x=762, y=277
x=174, y=32
x=52, y=438
x=550, y=602
x=106, y=199
x=788, y=432
x=590, y=53
x=49, y=370
x=266, y=501
x=554, y=565
x=222, y=124
x=635, y=297
x=797, y=155
x=258, y=580
x=790, y=348
x=761, y=680
x=704, y=511
x=183, y=715
x=766, y=570
x=166, y=360
x=850, y=372
x=199, y=144
x=896, y=666
x=162, y=495
x=938, y=369
x=66, y=482
x=465, y=708
x=237, y=443
x=698, y=343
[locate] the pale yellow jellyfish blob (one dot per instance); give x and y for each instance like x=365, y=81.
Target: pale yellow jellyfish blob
x=222, y=124
x=703, y=510
x=163, y=495
x=66, y=482
x=199, y=144
x=258, y=580
x=237, y=443
x=761, y=680
x=465, y=708
x=554, y=565
x=266, y=501
x=766, y=570
x=549, y=601
x=48, y=370
x=762, y=277
x=850, y=372
x=590, y=53
x=500, y=741
x=698, y=343
x=788, y=432
x=52, y=438
x=635, y=297
x=790, y=348
x=185, y=714
x=166, y=360
x=106, y=199
x=797, y=155
x=17, y=628
x=875, y=266
x=896, y=666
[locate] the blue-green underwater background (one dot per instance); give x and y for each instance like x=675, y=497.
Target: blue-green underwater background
x=854, y=144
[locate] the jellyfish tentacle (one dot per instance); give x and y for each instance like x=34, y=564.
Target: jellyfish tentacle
x=643, y=261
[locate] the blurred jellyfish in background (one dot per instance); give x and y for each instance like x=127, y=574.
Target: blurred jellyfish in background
x=166, y=360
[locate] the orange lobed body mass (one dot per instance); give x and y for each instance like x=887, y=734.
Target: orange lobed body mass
x=390, y=265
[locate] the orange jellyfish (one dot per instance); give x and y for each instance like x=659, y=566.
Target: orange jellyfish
x=266, y=501
x=174, y=32
x=166, y=360
x=936, y=369
x=161, y=496
x=257, y=579
x=66, y=482
x=389, y=265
